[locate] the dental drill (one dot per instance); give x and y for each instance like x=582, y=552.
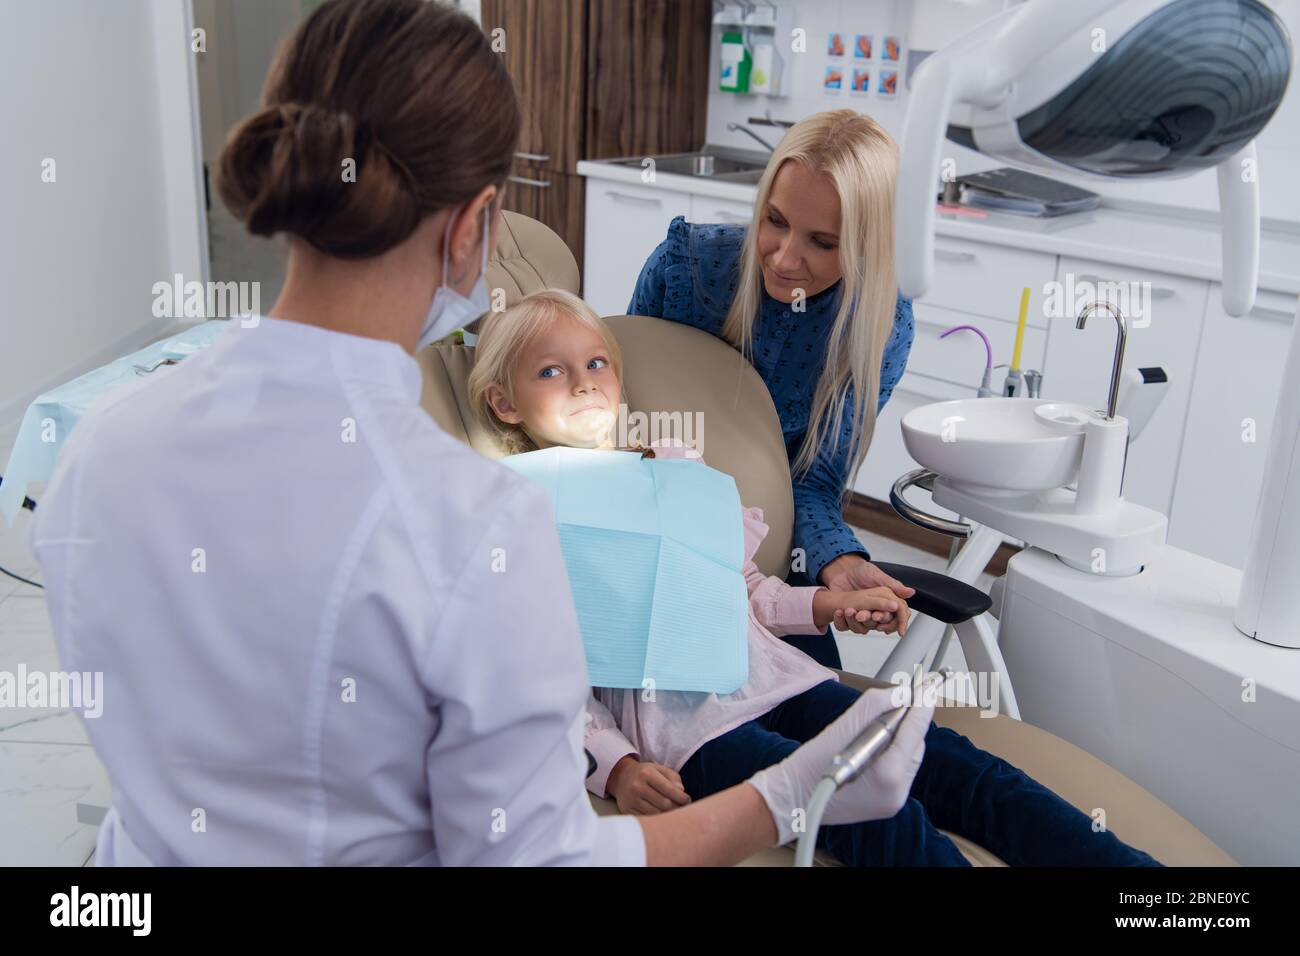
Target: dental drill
x=847, y=766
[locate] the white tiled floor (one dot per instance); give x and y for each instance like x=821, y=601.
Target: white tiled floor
x=47, y=765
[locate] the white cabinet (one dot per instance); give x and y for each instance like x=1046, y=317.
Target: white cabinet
x=713, y=209
x=624, y=224
x=1078, y=365
x=1229, y=423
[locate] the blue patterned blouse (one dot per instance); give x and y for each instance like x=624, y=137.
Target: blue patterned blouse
x=691, y=278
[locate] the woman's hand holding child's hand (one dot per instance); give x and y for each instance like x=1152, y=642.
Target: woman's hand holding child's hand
x=868, y=609
x=645, y=788
x=851, y=573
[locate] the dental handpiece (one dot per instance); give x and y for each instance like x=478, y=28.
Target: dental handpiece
x=866, y=746
x=849, y=763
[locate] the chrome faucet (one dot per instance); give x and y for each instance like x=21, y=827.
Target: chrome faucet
x=1117, y=369
x=741, y=128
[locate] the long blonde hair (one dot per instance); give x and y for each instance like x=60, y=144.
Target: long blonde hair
x=504, y=334
x=861, y=161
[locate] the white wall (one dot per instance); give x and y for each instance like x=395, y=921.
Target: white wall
x=1278, y=145
x=105, y=90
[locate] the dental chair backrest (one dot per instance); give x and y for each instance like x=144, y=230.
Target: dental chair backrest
x=667, y=368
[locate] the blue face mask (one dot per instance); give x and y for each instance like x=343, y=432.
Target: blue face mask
x=450, y=310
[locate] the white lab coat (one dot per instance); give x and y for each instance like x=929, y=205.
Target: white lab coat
x=329, y=632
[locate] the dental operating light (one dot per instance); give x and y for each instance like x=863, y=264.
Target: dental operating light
x=1114, y=89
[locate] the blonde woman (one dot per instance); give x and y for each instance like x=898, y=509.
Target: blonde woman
x=806, y=292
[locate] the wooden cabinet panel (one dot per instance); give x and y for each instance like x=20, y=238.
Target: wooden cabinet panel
x=522, y=190
x=554, y=199
x=647, y=76
x=562, y=209
x=545, y=53
x=596, y=79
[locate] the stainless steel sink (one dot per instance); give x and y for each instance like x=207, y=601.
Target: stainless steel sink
x=705, y=164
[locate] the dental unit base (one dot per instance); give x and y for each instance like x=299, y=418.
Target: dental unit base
x=1148, y=673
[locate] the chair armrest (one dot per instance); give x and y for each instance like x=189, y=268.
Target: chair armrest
x=939, y=596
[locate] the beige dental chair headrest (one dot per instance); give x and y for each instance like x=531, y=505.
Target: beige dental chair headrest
x=694, y=385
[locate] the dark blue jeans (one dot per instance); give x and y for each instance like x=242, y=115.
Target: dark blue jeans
x=959, y=788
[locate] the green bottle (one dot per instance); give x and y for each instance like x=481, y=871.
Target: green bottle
x=735, y=62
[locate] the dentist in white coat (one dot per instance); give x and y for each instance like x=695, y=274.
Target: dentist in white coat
x=291, y=578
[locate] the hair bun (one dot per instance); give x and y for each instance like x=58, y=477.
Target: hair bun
x=316, y=173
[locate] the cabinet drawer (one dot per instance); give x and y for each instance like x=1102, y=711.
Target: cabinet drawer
x=960, y=358
x=983, y=279
x=713, y=209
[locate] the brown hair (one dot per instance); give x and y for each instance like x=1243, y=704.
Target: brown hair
x=398, y=86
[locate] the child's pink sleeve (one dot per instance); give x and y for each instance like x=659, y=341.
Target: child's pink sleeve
x=780, y=608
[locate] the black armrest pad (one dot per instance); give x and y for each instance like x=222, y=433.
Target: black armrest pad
x=938, y=595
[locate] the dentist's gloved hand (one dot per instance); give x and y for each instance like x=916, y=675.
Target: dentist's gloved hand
x=877, y=794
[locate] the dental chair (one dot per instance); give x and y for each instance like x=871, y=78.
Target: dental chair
x=669, y=367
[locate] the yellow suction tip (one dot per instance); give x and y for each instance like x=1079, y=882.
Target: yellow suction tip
x=1020, y=328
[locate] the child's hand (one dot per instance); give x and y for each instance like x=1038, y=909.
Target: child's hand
x=645, y=788
x=868, y=609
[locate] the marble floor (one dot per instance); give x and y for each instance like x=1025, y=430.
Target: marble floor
x=47, y=766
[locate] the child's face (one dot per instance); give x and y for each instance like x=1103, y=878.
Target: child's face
x=565, y=389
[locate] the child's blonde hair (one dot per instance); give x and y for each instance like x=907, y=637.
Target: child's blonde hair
x=504, y=335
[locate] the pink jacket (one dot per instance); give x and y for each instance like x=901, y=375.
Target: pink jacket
x=674, y=724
